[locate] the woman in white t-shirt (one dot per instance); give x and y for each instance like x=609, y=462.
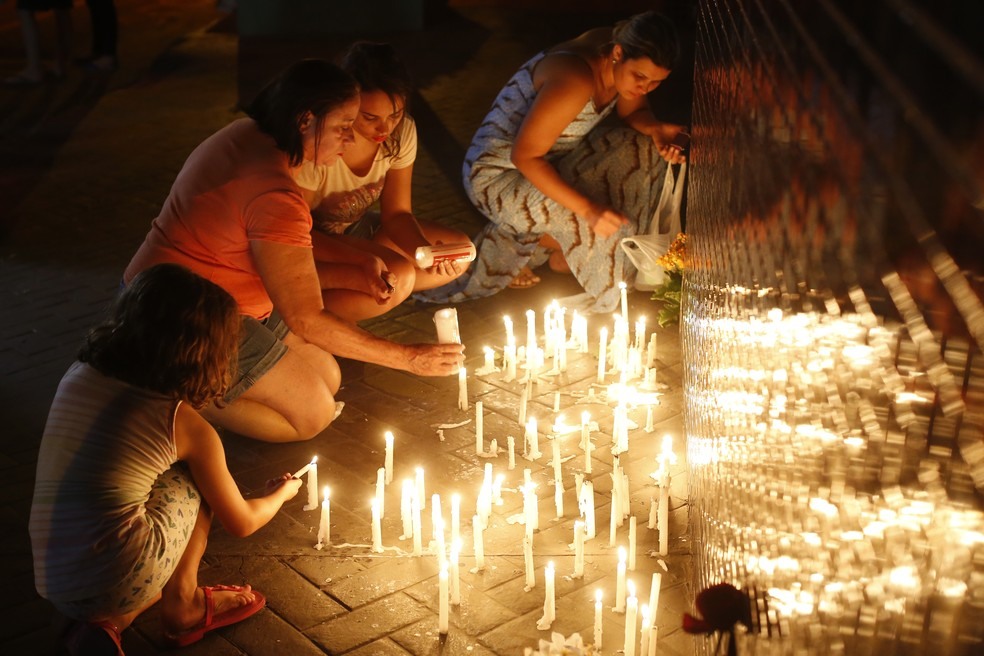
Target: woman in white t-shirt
x=365, y=259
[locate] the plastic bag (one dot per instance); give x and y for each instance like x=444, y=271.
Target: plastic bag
x=644, y=250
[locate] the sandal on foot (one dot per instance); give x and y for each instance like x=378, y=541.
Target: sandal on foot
x=213, y=621
x=524, y=279
x=94, y=639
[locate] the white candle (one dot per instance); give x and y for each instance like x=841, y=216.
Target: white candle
x=510, y=337
x=597, y=621
x=493, y=448
x=478, y=533
x=578, y=549
x=602, y=356
x=652, y=642
x=555, y=448
x=489, y=365
x=439, y=549
x=479, y=429
x=589, y=447
x=585, y=429
x=324, y=527
x=311, y=469
x=653, y=511
x=421, y=496
x=417, y=529
x=462, y=390
x=631, y=617
x=406, y=504
x=446, y=321
x=511, y=444
x=559, y=497
x=613, y=523
x=528, y=560
x=388, y=462
x=455, y=518
x=651, y=351
x=589, y=510
x=623, y=290
x=530, y=334
x=524, y=399
x=640, y=335
x=650, y=427
x=654, y=598
x=556, y=402
x=620, y=582
x=377, y=529
x=509, y=360
x=533, y=437
x=663, y=520
x=644, y=644
x=455, y=578
x=381, y=490
x=442, y=600
x=632, y=543
x=549, y=598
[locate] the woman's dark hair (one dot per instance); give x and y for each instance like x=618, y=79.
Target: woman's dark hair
x=170, y=331
x=310, y=85
x=651, y=35
x=377, y=67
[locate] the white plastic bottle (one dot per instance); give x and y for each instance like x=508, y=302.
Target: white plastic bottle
x=428, y=256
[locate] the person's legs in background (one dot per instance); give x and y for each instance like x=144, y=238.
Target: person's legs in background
x=105, y=31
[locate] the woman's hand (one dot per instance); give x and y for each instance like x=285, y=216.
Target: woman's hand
x=380, y=282
x=285, y=484
x=663, y=137
x=604, y=221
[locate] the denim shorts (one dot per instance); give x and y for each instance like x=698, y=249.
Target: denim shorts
x=366, y=226
x=261, y=346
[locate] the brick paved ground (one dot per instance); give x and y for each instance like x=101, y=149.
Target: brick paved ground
x=86, y=165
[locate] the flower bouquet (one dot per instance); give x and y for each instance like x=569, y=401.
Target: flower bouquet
x=669, y=293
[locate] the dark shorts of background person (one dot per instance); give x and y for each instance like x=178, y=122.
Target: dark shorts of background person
x=261, y=345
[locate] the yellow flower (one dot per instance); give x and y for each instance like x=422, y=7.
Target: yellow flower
x=674, y=258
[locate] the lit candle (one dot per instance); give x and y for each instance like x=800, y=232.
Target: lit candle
x=455, y=578
x=663, y=520
x=388, y=462
x=406, y=504
x=632, y=543
x=597, y=621
x=528, y=560
x=446, y=321
x=421, y=497
x=311, y=469
x=377, y=529
x=653, y=601
x=651, y=351
x=462, y=390
x=324, y=527
x=644, y=644
x=578, y=549
x=631, y=617
x=620, y=582
x=559, y=497
x=381, y=490
x=530, y=334
x=555, y=448
x=640, y=336
x=417, y=530
x=509, y=329
x=511, y=444
x=623, y=290
x=442, y=601
x=509, y=360
x=602, y=356
x=524, y=399
x=549, y=598
x=478, y=533
x=455, y=518
x=489, y=365
x=533, y=438
x=479, y=429
x=589, y=510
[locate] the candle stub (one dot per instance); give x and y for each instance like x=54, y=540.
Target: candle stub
x=446, y=321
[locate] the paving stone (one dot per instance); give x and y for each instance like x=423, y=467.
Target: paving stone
x=389, y=577
x=368, y=623
x=382, y=647
x=423, y=639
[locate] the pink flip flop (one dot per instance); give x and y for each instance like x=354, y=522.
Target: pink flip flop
x=213, y=621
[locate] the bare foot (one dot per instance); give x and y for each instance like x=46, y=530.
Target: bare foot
x=526, y=278
x=178, y=618
x=558, y=263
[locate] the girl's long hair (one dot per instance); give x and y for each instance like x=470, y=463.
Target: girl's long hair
x=377, y=67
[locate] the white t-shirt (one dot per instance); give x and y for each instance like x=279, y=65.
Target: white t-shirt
x=344, y=197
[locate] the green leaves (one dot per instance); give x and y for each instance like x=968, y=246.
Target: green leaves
x=670, y=293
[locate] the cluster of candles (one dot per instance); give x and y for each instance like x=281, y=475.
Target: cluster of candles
x=626, y=356
x=804, y=425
